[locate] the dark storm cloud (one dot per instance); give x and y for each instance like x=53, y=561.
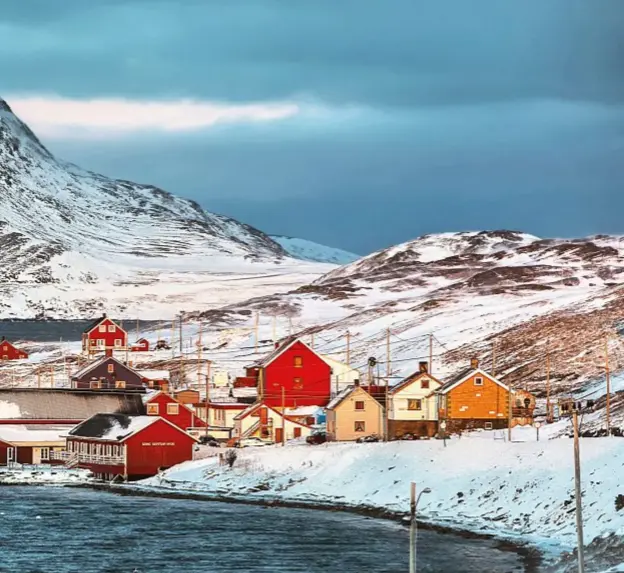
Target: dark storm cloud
x=435, y=115
x=393, y=52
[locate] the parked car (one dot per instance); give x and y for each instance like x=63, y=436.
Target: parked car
x=316, y=438
x=368, y=439
x=407, y=437
x=250, y=442
x=209, y=441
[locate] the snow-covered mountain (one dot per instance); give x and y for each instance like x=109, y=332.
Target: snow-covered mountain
x=311, y=251
x=73, y=241
x=527, y=296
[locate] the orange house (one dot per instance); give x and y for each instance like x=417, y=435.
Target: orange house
x=473, y=399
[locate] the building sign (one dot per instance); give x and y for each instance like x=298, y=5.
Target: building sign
x=157, y=443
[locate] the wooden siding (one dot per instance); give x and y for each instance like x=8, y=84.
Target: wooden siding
x=108, y=379
x=341, y=419
x=468, y=401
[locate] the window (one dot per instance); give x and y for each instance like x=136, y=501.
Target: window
x=424, y=383
x=359, y=404
x=173, y=409
x=95, y=384
x=111, y=368
x=102, y=328
x=298, y=362
x=115, y=450
x=488, y=425
x=5, y=348
x=93, y=342
x=5, y=357
x=118, y=342
x=414, y=404
x=100, y=342
x=298, y=383
x=478, y=381
x=152, y=409
x=120, y=383
x=108, y=450
x=111, y=328
x=45, y=454
x=360, y=426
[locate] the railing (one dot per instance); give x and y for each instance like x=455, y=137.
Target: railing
x=521, y=412
x=76, y=458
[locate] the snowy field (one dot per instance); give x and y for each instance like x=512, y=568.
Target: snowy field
x=522, y=491
x=42, y=475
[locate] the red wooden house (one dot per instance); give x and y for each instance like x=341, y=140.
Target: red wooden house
x=293, y=375
x=10, y=352
x=167, y=407
x=104, y=335
x=133, y=447
x=141, y=345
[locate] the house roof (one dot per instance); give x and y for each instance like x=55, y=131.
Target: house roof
x=257, y=405
x=92, y=365
x=112, y=427
x=97, y=322
x=344, y=394
x=264, y=362
x=304, y=411
x=35, y=434
x=65, y=404
x=462, y=376
x=410, y=380
x=154, y=374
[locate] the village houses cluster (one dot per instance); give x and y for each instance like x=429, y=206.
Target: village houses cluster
x=125, y=423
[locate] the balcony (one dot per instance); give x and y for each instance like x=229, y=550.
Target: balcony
x=518, y=412
x=77, y=458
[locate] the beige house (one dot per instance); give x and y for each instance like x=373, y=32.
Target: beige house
x=352, y=414
x=412, y=407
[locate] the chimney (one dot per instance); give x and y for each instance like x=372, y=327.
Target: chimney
x=474, y=363
x=423, y=367
x=356, y=382
x=108, y=352
x=3, y=339
x=276, y=345
x=103, y=315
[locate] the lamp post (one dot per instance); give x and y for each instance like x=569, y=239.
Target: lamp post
x=413, y=523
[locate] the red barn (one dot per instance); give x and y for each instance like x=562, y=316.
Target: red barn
x=167, y=407
x=133, y=447
x=9, y=352
x=104, y=335
x=141, y=345
x=294, y=375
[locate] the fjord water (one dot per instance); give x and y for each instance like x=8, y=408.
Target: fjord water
x=66, y=530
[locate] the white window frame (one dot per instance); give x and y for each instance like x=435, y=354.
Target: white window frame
x=488, y=426
x=121, y=384
x=118, y=342
x=478, y=381
x=173, y=409
x=45, y=454
x=102, y=328
x=112, y=328
x=152, y=409
x=100, y=342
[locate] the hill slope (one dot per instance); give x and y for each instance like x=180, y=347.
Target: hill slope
x=311, y=251
x=63, y=228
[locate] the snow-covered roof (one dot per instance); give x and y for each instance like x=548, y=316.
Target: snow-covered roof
x=154, y=374
x=112, y=427
x=340, y=397
x=35, y=434
x=411, y=379
x=304, y=411
x=465, y=375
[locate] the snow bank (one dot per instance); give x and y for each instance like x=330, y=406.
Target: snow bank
x=42, y=475
x=514, y=490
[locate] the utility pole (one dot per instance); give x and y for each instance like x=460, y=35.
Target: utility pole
x=608, y=379
x=38, y=377
x=283, y=416
x=430, y=353
x=207, y=396
x=181, y=319
x=274, y=328
x=199, y=355
x=548, y=406
x=510, y=417
x=256, y=322
x=577, y=493
x=312, y=340
x=388, y=364
x=290, y=326
x=261, y=383
x=137, y=329
x=348, y=348
x=51, y=376
x=494, y=358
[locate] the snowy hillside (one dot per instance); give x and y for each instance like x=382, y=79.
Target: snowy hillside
x=311, y=251
x=528, y=296
x=71, y=234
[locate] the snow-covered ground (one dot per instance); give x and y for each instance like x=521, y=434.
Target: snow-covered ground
x=311, y=251
x=42, y=475
x=523, y=491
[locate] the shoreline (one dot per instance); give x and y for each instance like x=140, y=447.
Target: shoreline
x=530, y=555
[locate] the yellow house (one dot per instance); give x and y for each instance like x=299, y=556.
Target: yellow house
x=352, y=414
x=413, y=407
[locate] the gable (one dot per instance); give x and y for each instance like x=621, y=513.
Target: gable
x=105, y=321
x=101, y=366
x=413, y=383
x=298, y=348
x=292, y=348
x=469, y=378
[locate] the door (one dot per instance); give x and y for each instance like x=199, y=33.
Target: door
x=279, y=434
x=11, y=454
x=36, y=456
x=297, y=432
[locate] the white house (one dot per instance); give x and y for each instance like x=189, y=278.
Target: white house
x=265, y=422
x=343, y=375
x=413, y=405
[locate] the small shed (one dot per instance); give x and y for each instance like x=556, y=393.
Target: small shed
x=141, y=345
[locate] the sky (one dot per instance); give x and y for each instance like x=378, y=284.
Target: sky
x=355, y=123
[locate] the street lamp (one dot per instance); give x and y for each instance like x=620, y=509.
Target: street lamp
x=414, y=525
